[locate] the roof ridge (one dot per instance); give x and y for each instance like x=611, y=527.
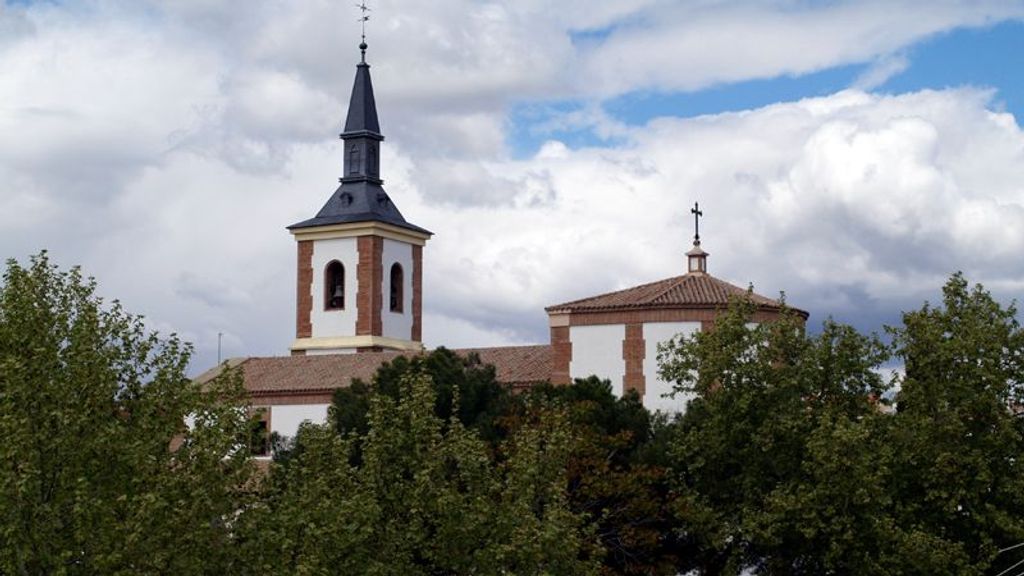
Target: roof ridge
x=691, y=290
x=218, y=369
x=609, y=293
x=475, y=348
x=672, y=283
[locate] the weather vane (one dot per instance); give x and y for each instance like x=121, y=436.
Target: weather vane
x=362, y=22
x=697, y=213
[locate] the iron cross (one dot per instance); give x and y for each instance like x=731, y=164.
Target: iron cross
x=696, y=221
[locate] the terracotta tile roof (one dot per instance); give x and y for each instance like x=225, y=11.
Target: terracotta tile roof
x=311, y=373
x=517, y=366
x=695, y=290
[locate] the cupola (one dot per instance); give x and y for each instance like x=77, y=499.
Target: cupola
x=696, y=258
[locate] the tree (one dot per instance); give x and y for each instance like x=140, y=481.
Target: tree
x=786, y=461
x=100, y=473
x=482, y=399
x=617, y=474
x=610, y=478
x=958, y=432
x=424, y=498
x=751, y=455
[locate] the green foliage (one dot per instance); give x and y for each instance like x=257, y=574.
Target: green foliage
x=617, y=476
x=595, y=407
x=425, y=498
x=101, y=474
x=481, y=398
x=788, y=462
x=609, y=480
x=788, y=459
x=350, y=407
x=960, y=474
x=762, y=395
x=312, y=517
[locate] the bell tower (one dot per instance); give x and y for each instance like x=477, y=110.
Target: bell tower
x=360, y=264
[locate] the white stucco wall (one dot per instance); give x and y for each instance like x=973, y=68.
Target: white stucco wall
x=597, y=350
x=333, y=323
x=393, y=324
x=654, y=334
x=285, y=418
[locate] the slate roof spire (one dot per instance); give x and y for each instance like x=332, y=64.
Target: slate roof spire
x=362, y=107
x=361, y=196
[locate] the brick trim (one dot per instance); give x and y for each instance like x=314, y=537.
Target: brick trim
x=268, y=400
x=633, y=352
x=378, y=285
x=664, y=315
x=369, y=293
x=561, y=355
x=304, y=290
x=417, y=294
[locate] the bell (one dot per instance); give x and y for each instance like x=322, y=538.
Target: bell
x=338, y=297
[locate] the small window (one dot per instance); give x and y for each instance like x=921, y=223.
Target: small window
x=353, y=160
x=259, y=434
x=374, y=169
x=396, y=288
x=334, y=286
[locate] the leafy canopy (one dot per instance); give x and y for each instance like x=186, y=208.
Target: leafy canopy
x=789, y=461
x=424, y=498
x=101, y=474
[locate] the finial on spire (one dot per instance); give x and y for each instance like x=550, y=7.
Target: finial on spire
x=697, y=213
x=362, y=22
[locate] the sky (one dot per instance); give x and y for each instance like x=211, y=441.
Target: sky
x=851, y=154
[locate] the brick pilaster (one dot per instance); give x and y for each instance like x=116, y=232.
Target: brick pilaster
x=561, y=355
x=369, y=294
x=417, y=293
x=304, y=290
x=633, y=352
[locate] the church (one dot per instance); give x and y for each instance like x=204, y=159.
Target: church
x=359, y=302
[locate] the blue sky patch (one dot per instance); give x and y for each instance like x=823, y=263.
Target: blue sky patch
x=992, y=57
x=982, y=57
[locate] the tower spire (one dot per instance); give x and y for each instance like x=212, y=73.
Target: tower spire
x=361, y=196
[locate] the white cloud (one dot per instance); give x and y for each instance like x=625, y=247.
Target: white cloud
x=166, y=146
x=881, y=70
x=836, y=200
x=689, y=46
